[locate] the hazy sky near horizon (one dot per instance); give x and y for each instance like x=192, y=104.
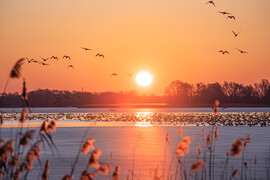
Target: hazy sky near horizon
x=173, y=40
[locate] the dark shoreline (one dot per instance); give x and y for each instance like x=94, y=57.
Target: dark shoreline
x=152, y=105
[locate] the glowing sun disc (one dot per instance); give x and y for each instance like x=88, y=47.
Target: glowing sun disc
x=144, y=79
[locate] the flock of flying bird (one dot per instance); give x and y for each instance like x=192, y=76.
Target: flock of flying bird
x=211, y=2
x=229, y=16
x=43, y=60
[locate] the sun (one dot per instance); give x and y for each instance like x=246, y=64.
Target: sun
x=144, y=79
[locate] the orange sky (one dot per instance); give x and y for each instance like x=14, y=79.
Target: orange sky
x=172, y=40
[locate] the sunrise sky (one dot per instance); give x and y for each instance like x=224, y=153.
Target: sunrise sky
x=172, y=40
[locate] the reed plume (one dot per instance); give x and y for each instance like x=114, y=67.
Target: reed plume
x=16, y=70
x=46, y=171
x=116, y=173
x=216, y=107
x=157, y=175
x=33, y=154
x=196, y=166
x=180, y=131
x=28, y=135
x=6, y=150
x=14, y=73
x=44, y=125
x=13, y=162
x=23, y=116
x=87, y=176
x=104, y=168
x=234, y=173
x=236, y=147
x=183, y=146
x=51, y=126
x=67, y=177
x=93, y=159
x=87, y=146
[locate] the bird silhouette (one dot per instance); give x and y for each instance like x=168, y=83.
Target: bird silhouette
x=230, y=17
x=86, y=49
x=241, y=51
x=44, y=64
x=224, y=52
x=114, y=74
x=211, y=2
x=44, y=59
x=54, y=57
x=67, y=57
x=235, y=34
x=30, y=60
x=130, y=74
x=223, y=12
x=35, y=61
x=100, y=55
x=71, y=66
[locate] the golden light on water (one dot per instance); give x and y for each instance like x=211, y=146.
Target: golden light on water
x=144, y=119
x=143, y=124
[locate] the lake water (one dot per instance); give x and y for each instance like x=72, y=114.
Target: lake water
x=139, y=151
x=89, y=110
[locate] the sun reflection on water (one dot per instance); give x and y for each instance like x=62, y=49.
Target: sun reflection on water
x=144, y=119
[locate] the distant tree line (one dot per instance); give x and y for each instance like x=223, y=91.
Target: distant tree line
x=58, y=98
x=177, y=94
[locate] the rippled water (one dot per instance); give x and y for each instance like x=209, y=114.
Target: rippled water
x=142, y=149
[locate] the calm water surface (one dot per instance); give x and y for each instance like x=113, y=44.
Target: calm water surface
x=142, y=149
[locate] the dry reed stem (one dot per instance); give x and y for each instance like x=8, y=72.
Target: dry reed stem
x=46, y=171
x=208, y=139
x=198, y=149
x=216, y=135
x=203, y=134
